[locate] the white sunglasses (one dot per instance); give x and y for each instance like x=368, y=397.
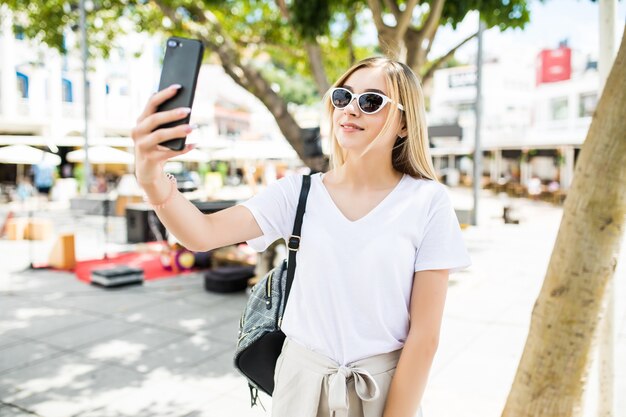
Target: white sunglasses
x=368, y=102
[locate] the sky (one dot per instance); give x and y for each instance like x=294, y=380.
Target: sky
x=550, y=23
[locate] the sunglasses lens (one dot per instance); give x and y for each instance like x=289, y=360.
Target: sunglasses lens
x=370, y=103
x=341, y=98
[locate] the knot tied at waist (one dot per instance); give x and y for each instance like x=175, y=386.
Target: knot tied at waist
x=364, y=384
x=317, y=385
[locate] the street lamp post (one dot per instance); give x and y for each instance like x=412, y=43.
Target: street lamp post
x=477, y=148
x=83, y=32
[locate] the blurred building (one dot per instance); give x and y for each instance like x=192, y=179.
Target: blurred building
x=41, y=97
x=537, y=108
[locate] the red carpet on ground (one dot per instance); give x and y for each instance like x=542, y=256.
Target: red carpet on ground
x=148, y=261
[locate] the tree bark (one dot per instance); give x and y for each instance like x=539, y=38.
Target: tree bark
x=551, y=375
x=317, y=66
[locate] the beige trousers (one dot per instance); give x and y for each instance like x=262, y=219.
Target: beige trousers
x=308, y=384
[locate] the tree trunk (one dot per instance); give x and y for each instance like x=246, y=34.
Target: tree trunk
x=389, y=44
x=551, y=376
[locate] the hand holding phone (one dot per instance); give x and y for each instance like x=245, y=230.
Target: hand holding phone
x=181, y=66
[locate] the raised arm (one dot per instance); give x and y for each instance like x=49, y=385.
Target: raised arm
x=195, y=230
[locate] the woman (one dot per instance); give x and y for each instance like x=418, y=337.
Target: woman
x=379, y=239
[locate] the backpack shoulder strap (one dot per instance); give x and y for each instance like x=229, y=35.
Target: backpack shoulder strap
x=294, y=240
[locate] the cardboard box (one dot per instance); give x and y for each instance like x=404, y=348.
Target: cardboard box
x=63, y=254
x=16, y=228
x=39, y=229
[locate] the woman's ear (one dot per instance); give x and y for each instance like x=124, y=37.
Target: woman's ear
x=403, y=132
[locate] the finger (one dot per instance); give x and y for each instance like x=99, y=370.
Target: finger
x=162, y=135
x=153, y=121
x=157, y=99
x=165, y=149
x=163, y=153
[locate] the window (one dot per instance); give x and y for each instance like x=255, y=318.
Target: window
x=558, y=108
x=587, y=104
x=68, y=97
x=19, y=32
x=22, y=84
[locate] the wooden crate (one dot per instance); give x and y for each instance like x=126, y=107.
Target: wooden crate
x=63, y=254
x=16, y=228
x=39, y=229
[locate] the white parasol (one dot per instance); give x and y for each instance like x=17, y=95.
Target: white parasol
x=27, y=155
x=102, y=155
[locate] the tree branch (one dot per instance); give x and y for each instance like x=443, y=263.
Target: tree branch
x=317, y=66
x=428, y=30
x=405, y=19
x=314, y=54
x=393, y=6
x=282, y=6
x=430, y=42
x=348, y=36
x=432, y=21
x=377, y=14
x=442, y=59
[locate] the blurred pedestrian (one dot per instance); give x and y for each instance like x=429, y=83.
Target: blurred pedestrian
x=379, y=239
x=534, y=188
x=43, y=174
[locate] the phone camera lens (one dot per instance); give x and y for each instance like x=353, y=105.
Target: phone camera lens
x=172, y=43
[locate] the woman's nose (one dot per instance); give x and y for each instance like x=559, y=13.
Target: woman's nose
x=352, y=107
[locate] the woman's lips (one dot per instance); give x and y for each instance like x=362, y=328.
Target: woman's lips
x=351, y=127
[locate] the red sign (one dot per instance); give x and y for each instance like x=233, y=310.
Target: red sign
x=554, y=65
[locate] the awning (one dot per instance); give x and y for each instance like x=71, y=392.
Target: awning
x=73, y=141
x=253, y=150
x=102, y=155
x=27, y=155
x=194, y=155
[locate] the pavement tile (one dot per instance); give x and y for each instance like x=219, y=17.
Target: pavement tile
x=182, y=353
x=192, y=279
x=7, y=340
x=183, y=316
x=43, y=376
x=108, y=302
x=205, y=298
x=486, y=367
x=82, y=336
x=150, y=338
x=440, y=402
x=85, y=391
x=161, y=393
x=10, y=305
x=235, y=403
x=42, y=281
x=10, y=411
x=456, y=335
x=227, y=332
x=24, y=353
x=38, y=320
x=126, y=349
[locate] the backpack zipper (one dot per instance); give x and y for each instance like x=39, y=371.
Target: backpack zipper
x=268, y=292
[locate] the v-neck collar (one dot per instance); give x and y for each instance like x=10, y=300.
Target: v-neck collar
x=369, y=213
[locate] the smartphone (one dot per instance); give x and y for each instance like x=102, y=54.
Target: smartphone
x=181, y=65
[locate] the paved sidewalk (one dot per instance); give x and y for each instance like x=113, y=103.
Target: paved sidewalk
x=165, y=348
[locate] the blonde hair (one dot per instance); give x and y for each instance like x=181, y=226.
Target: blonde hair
x=410, y=154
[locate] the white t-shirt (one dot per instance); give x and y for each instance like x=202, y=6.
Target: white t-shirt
x=352, y=288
